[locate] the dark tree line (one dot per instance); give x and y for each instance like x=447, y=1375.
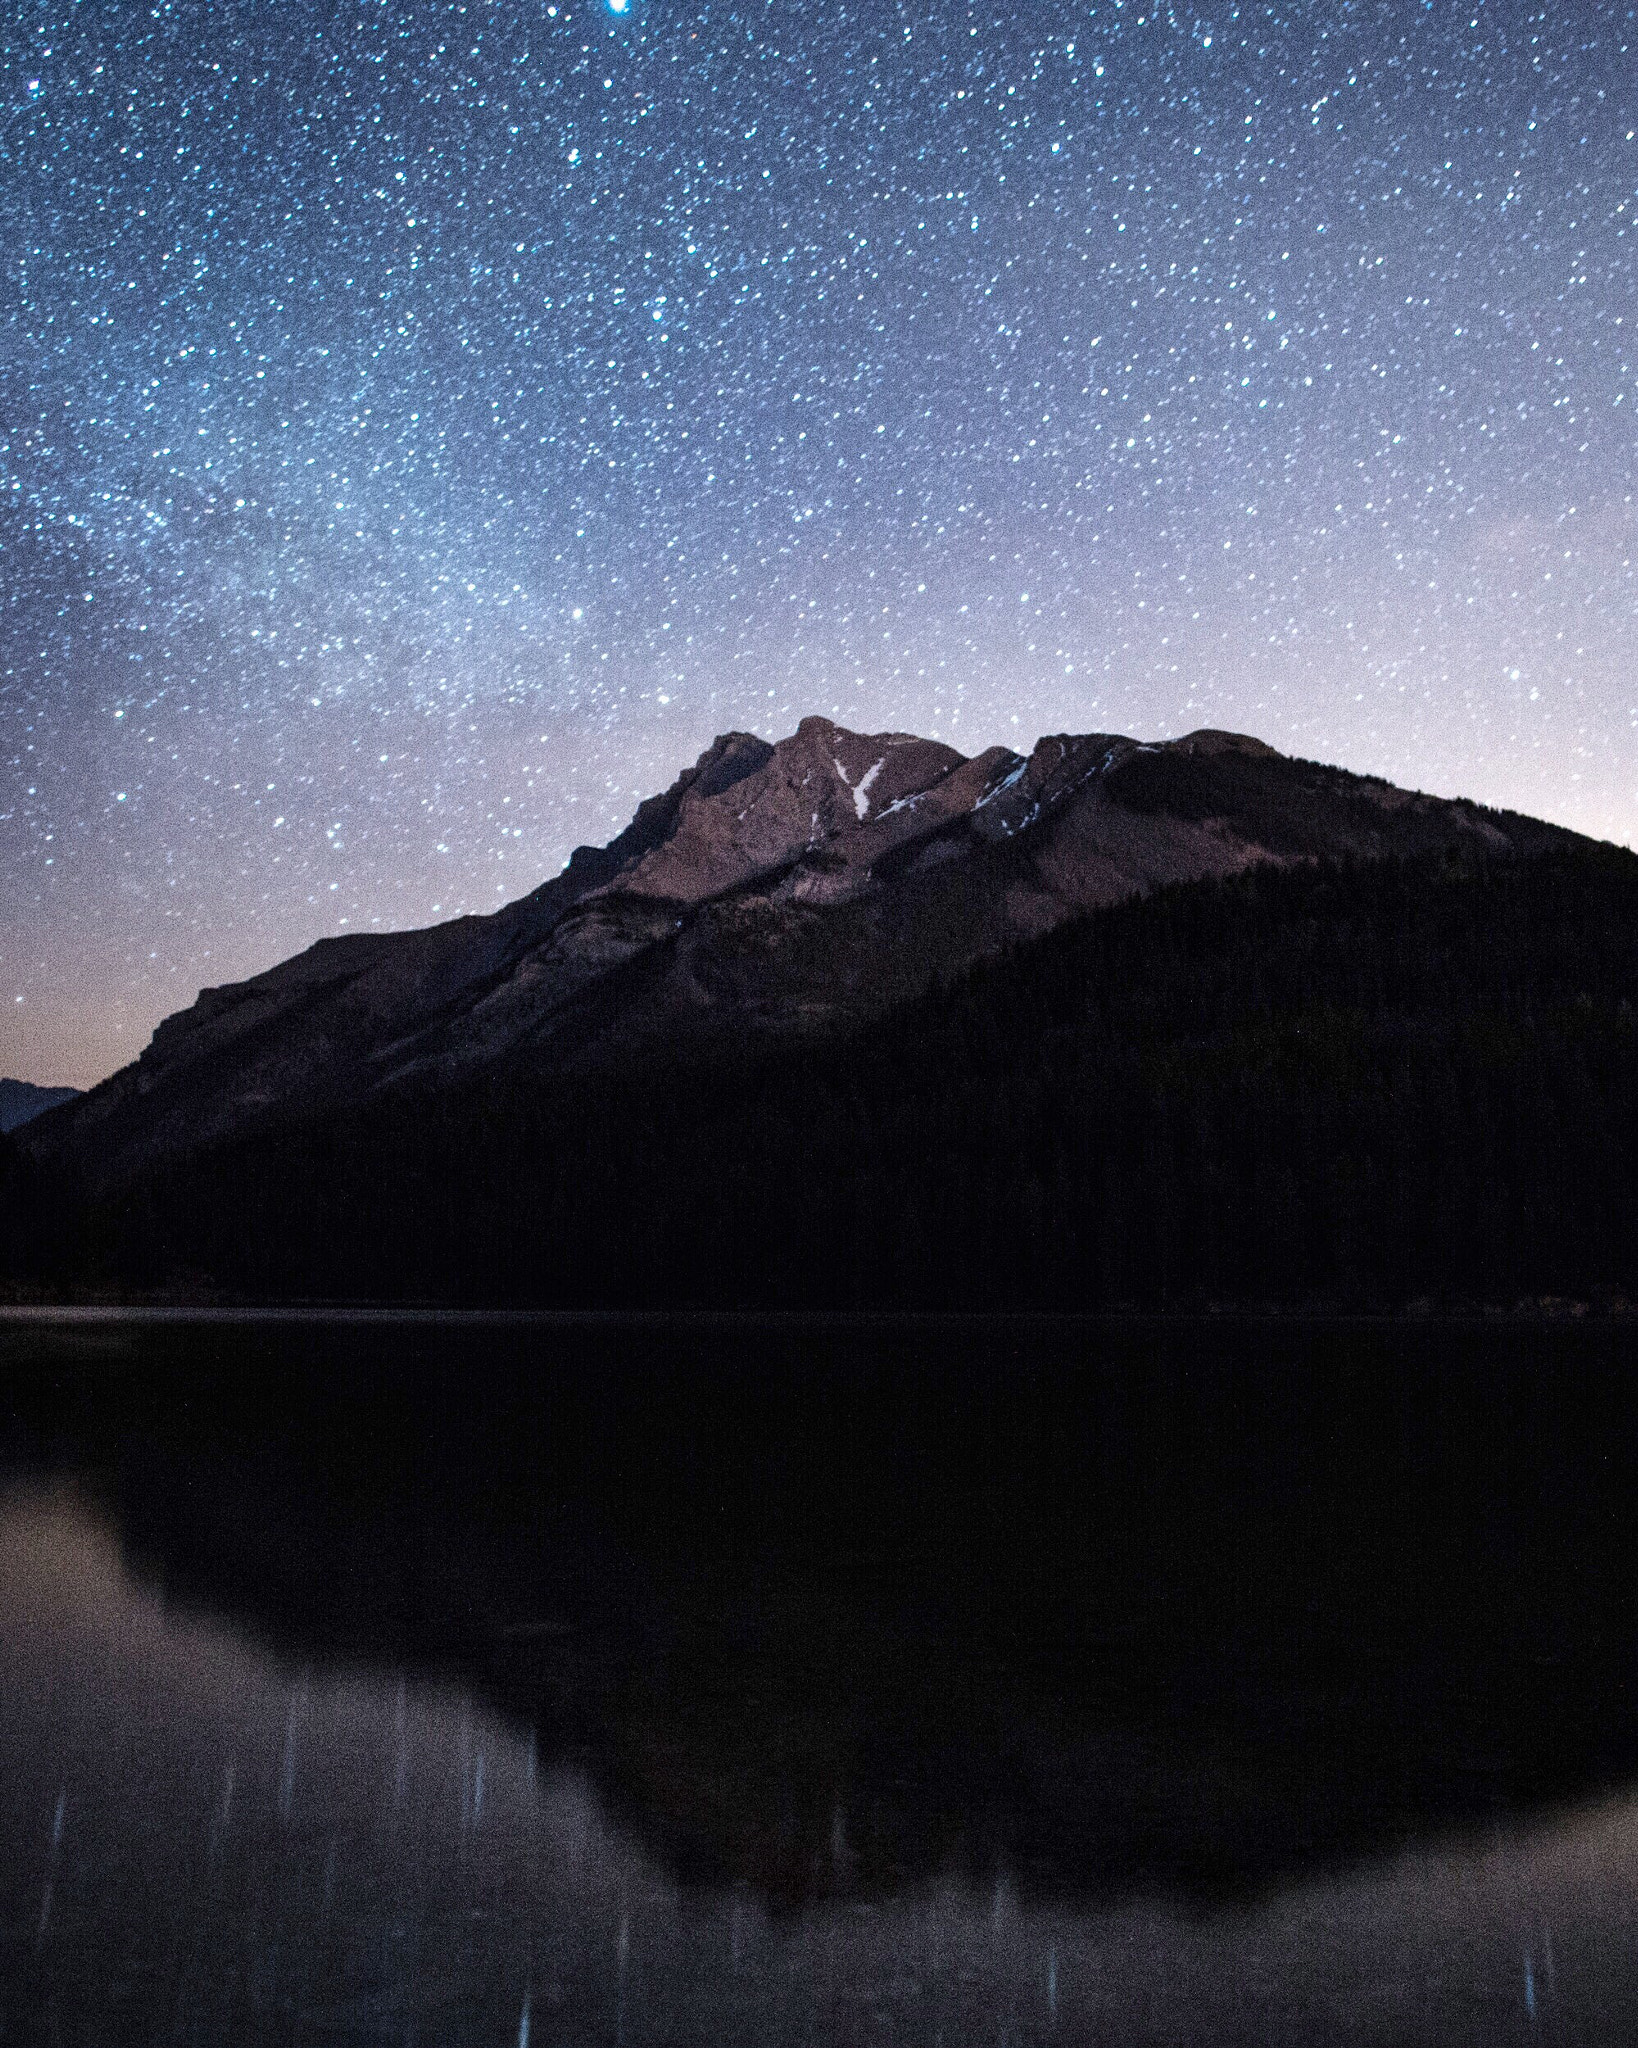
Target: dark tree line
x=41, y=1230
x=1351, y=1086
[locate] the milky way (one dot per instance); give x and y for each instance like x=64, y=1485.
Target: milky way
x=422, y=426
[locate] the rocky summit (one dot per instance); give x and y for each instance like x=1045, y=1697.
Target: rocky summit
x=773, y=888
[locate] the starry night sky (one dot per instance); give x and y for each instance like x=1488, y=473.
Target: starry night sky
x=423, y=425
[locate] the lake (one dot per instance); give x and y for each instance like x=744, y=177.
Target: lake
x=527, y=1683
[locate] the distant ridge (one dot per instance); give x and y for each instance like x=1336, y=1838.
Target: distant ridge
x=22, y=1101
x=773, y=889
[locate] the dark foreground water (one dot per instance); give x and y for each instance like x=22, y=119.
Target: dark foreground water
x=529, y=1686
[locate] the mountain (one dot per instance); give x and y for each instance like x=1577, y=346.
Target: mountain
x=773, y=890
x=852, y=1022
x=22, y=1101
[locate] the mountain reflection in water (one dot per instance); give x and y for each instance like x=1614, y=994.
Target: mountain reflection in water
x=430, y=1688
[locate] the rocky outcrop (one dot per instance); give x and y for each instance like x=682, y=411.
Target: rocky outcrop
x=771, y=888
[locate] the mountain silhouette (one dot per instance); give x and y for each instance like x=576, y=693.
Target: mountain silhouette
x=773, y=892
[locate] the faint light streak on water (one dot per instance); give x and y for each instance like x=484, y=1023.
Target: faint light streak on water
x=622, y=1951
x=287, y=1761
x=48, y=1891
x=400, y=1777
x=224, y=1810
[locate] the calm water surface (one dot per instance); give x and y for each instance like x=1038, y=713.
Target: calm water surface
x=446, y=1686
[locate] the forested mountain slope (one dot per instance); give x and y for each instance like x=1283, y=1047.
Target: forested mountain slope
x=1352, y=1084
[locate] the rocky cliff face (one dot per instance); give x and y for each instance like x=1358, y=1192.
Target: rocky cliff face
x=770, y=889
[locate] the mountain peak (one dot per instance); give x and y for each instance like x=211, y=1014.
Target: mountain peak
x=751, y=809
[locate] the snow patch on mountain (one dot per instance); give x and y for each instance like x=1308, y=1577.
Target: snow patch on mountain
x=861, y=789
